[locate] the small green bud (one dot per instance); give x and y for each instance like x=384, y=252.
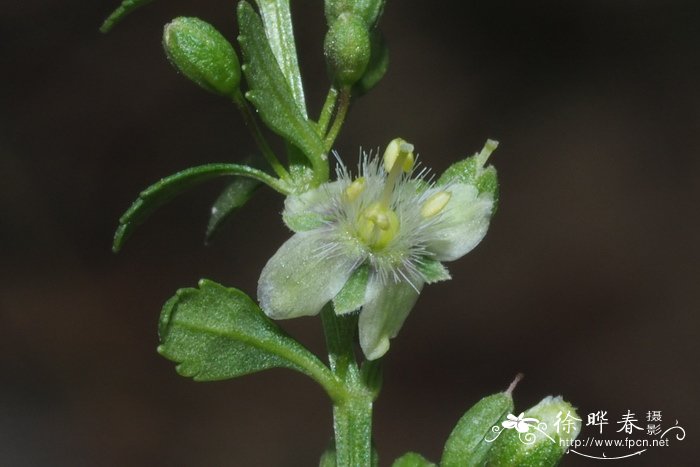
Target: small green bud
x=347, y=49
x=412, y=459
x=539, y=437
x=202, y=54
x=368, y=10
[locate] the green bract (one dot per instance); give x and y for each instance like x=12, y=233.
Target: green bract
x=202, y=54
x=372, y=241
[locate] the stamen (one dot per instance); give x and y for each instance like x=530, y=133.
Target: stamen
x=353, y=191
x=398, y=157
x=396, y=148
x=435, y=204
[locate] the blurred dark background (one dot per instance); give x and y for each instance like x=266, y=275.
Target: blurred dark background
x=587, y=281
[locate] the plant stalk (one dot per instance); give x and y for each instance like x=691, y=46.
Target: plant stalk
x=352, y=411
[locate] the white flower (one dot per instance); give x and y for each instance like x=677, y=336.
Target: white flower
x=373, y=241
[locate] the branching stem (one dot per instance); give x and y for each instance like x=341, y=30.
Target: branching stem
x=260, y=140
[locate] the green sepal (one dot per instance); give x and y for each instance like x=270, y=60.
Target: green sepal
x=377, y=66
x=412, y=459
x=352, y=296
x=235, y=195
x=126, y=7
x=433, y=270
x=277, y=19
x=201, y=53
x=474, y=171
x=271, y=95
x=215, y=333
x=168, y=188
x=467, y=445
x=300, y=170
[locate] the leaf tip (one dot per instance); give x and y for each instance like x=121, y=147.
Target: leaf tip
x=119, y=238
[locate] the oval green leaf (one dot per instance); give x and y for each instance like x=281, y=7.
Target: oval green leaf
x=215, y=333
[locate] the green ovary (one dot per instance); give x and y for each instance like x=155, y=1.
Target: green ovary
x=377, y=226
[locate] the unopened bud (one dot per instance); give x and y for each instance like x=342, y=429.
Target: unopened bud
x=368, y=10
x=540, y=436
x=347, y=49
x=202, y=54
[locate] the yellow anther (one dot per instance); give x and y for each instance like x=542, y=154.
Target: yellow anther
x=377, y=226
x=435, y=204
x=355, y=189
x=398, y=148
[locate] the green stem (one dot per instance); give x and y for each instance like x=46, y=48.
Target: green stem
x=343, y=106
x=327, y=111
x=352, y=423
x=255, y=130
x=352, y=413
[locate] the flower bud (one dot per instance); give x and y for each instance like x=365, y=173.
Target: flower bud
x=539, y=437
x=368, y=10
x=347, y=49
x=202, y=54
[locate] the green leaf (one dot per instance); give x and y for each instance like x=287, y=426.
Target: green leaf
x=433, y=270
x=234, y=196
x=467, y=446
x=216, y=333
x=412, y=459
x=120, y=13
x=168, y=188
x=271, y=95
x=277, y=19
x=352, y=296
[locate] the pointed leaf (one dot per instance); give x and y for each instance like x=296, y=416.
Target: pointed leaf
x=120, y=13
x=234, y=196
x=216, y=333
x=168, y=188
x=270, y=93
x=277, y=19
x=470, y=441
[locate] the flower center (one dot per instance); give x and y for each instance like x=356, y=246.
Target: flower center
x=378, y=224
